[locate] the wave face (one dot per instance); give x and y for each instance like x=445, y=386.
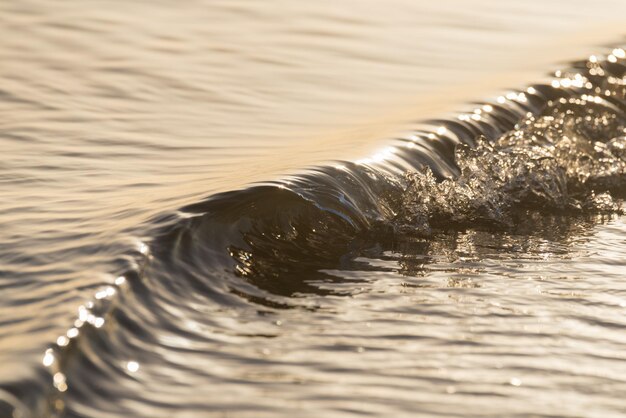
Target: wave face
x=471, y=268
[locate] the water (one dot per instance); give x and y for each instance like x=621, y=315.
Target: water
x=143, y=274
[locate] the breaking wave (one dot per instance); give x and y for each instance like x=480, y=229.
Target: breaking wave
x=556, y=149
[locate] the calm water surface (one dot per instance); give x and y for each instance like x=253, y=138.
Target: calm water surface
x=204, y=209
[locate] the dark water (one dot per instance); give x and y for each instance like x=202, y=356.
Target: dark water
x=472, y=267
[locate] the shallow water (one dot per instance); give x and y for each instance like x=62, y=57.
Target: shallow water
x=488, y=284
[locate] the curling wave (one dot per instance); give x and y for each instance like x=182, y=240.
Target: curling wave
x=557, y=148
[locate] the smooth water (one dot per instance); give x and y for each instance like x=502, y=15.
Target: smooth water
x=205, y=213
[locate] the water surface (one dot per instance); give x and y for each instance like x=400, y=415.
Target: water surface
x=132, y=287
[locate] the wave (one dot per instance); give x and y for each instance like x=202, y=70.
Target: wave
x=557, y=148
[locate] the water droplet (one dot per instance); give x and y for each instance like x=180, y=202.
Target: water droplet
x=62, y=341
x=59, y=382
x=48, y=358
x=132, y=366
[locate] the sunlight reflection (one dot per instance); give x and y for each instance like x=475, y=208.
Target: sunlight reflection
x=132, y=366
